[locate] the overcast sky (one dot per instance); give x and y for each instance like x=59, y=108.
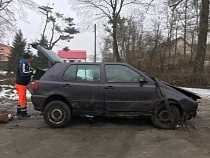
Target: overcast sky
x=31, y=29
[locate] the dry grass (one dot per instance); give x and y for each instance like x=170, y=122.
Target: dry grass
x=7, y=79
x=184, y=77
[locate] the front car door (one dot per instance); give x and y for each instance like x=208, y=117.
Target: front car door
x=123, y=91
x=82, y=84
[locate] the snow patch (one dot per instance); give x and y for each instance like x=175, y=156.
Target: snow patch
x=9, y=92
x=204, y=93
x=3, y=72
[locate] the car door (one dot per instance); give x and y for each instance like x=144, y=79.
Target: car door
x=82, y=86
x=123, y=91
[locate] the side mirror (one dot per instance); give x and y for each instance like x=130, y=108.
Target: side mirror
x=142, y=79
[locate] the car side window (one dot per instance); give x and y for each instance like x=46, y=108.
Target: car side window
x=121, y=74
x=70, y=73
x=88, y=73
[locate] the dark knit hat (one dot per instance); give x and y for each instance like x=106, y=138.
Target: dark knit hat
x=26, y=56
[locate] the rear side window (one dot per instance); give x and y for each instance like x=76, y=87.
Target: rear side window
x=88, y=73
x=70, y=73
x=85, y=73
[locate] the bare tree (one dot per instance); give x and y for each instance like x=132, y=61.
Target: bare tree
x=185, y=26
x=11, y=11
x=110, y=9
x=202, y=37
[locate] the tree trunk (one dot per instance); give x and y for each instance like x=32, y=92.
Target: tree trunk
x=175, y=49
x=192, y=44
x=185, y=28
x=202, y=38
x=115, y=43
x=45, y=27
x=52, y=35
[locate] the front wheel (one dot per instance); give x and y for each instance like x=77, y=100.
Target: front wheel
x=163, y=120
x=57, y=114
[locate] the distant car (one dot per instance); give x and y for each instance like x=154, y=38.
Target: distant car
x=106, y=89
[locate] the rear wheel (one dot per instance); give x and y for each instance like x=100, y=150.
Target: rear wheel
x=162, y=118
x=57, y=114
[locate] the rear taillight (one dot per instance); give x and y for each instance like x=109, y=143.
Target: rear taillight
x=35, y=86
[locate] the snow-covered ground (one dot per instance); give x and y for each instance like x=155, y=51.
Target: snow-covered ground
x=3, y=72
x=204, y=93
x=9, y=92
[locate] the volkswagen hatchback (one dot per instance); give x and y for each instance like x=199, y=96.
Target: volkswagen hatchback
x=107, y=89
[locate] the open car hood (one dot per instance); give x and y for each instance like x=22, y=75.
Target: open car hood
x=185, y=92
x=49, y=54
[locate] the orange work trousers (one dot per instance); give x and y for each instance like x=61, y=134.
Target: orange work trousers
x=21, y=90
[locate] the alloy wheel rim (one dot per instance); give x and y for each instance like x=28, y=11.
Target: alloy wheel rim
x=56, y=115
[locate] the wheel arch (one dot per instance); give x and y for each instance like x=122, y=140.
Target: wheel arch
x=57, y=97
x=172, y=102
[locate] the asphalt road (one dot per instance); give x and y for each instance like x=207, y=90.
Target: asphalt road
x=103, y=137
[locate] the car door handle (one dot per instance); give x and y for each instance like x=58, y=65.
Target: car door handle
x=66, y=86
x=109, y=87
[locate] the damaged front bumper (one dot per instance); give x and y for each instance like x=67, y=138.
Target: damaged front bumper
x=188, y=115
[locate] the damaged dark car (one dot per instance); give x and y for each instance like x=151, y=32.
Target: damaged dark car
x=107, y=89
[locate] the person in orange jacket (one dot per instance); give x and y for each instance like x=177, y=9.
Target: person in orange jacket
x=23, y=77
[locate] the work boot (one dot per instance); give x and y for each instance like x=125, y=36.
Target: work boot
x=24, y=113
x=18, y=110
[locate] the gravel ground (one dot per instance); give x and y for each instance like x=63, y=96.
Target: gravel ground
x=103, y=137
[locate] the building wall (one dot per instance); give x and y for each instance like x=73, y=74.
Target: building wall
x=190, y=51
x=180, y=48
x=4, y=53
x=3, y=65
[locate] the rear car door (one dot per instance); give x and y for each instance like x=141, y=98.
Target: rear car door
x=82, y=86
x=123, y=91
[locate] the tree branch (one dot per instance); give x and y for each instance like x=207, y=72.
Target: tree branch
x=92, y=4
x=175, y=5
x=121, y=5
x=6, y=20
x=4, y=4
x=56, y=41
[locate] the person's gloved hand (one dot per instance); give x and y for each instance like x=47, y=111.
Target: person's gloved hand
x=34, y=72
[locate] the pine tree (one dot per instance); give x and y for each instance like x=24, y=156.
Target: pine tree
x=66, y=49
x=18, y=49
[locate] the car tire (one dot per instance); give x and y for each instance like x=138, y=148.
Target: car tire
x=162, y=120
x=57, y=114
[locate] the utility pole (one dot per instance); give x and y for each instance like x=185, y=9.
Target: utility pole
x=95, y=43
